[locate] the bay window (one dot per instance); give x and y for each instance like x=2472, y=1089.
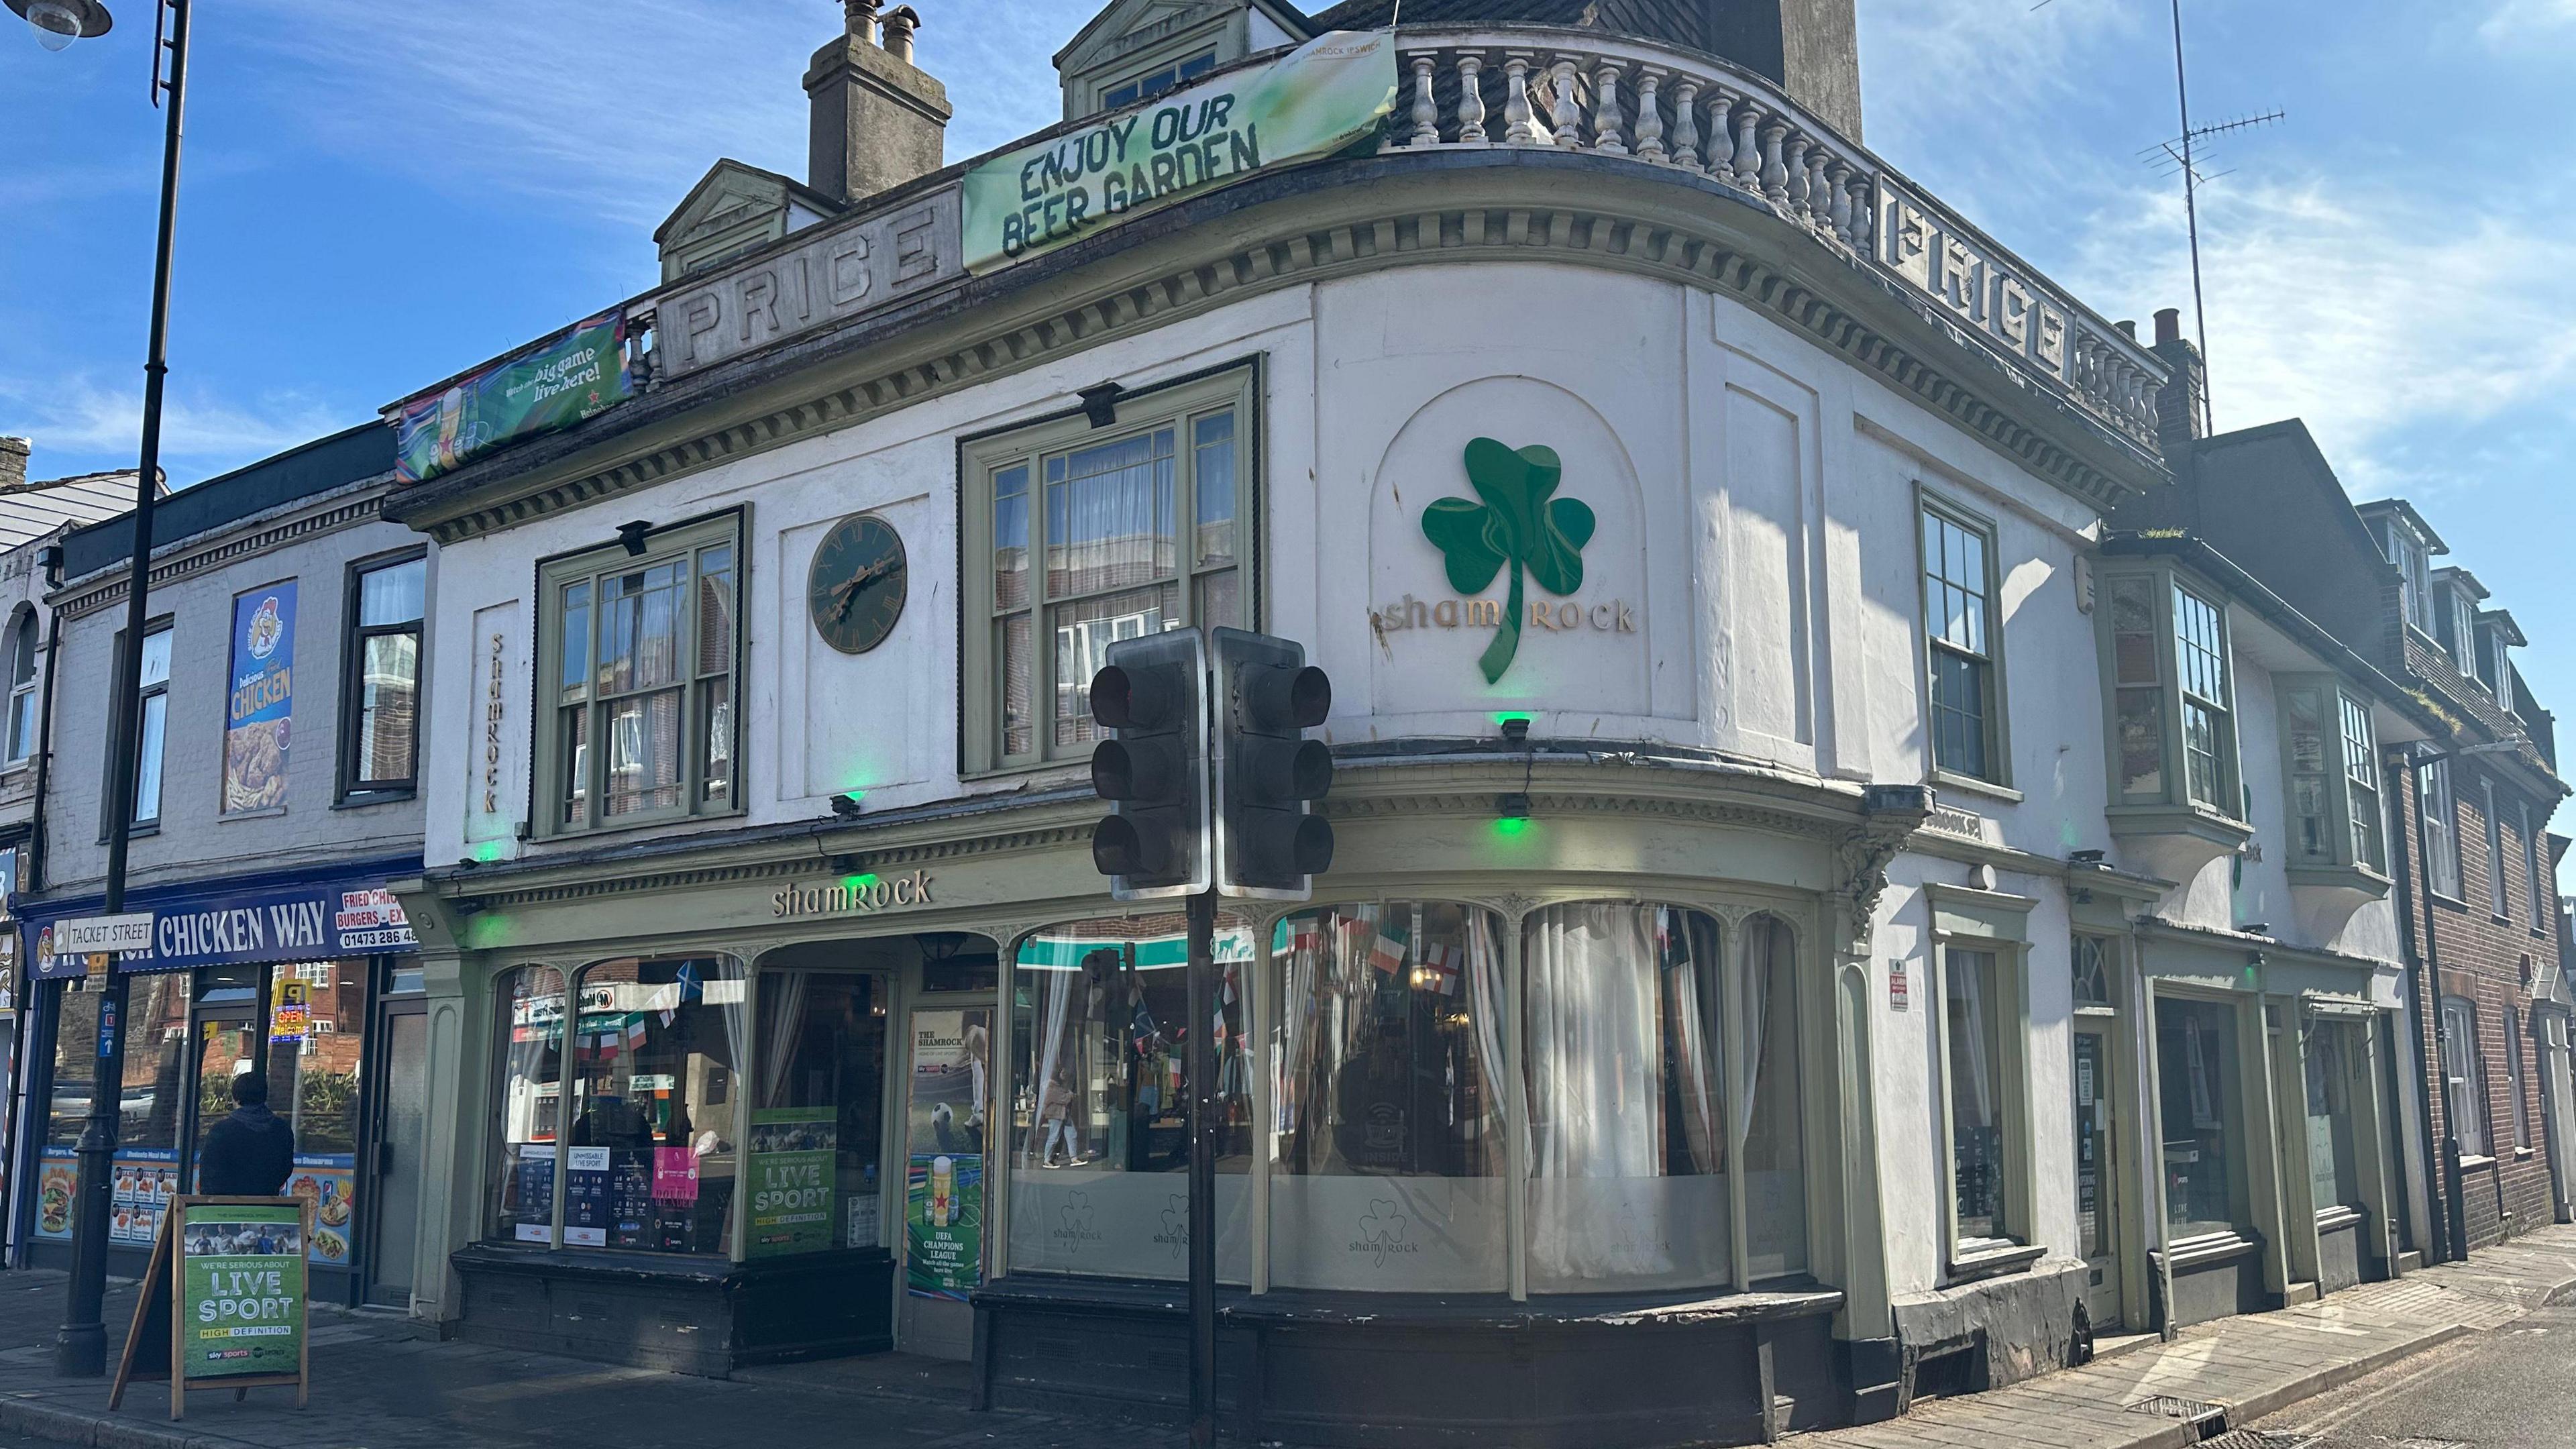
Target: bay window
x=2332, y=758
x=2172, y=706
x=1079, y=535
x=638, y=668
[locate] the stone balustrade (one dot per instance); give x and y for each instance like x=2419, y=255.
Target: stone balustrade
x=1651, y=105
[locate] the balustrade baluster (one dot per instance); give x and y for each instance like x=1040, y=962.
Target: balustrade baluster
x=1820, y=206
x=1686, y=124
x=1650, y=117
x=1426, y=112
x=1565, y=113
x=1471, y=100
x=1517, y=129
x=1609, y=128
x=1747, y=161
x=1775, y=172
x=1838, y=187
x=1864, y=215
x=1793, y=159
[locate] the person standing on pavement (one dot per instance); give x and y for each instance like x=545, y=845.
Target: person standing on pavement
x=250, y=1153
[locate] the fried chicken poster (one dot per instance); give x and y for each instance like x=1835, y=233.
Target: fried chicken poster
x=263, y=697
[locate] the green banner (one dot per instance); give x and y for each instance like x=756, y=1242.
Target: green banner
x=794, y=1180
x=943, y=1226
x=241, y=1309
x=579, y=374
x=1317, y=99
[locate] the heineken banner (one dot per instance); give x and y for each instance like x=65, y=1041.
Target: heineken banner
x=1319, y=98
x=578, y=374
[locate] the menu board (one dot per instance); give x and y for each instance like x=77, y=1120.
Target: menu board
x=146, y=1179
x=327, y=1180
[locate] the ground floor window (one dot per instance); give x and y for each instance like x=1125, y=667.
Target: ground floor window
x=817, y=1117
x=2334, y=1056
x=619, y=1099
x=1653, y=1091
x=1100, y=1041
x=1976, y=1060
x=2196, y=1066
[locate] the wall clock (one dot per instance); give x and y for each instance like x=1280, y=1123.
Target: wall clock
x=855, y=589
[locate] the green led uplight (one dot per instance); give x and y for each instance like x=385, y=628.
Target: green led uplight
x=487, y=852
x=859, y=882
x=1507, y=716
x=1512, y=825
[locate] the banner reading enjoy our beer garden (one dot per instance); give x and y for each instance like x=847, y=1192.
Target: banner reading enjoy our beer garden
x=257, y=716
x=241, y=1302
x=1319, y=98
x=553, y=385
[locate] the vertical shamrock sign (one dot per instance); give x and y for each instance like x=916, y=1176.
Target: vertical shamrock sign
x=1519, y=526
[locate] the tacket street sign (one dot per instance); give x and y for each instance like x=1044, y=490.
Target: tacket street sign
x=1323, y=96
x=88, y=935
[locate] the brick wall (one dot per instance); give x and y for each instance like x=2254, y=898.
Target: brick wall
x=2493, y=964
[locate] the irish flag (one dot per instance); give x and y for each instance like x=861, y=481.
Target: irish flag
x=1394, y=936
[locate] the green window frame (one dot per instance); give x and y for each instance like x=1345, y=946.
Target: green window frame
x=2172, y=698
x=2331, y=754
x=639, y=649
x=1077, y=535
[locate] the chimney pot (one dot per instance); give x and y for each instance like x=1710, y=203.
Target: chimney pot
x=863, y=19
x=2168, y=325
x=2128, y=329
x=900, y=23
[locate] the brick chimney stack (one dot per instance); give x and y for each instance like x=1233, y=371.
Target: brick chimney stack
x=2179, y=416
x=13, y=462
x=878, y=119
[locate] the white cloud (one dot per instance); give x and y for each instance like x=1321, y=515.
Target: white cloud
x=76, y=417
x=615, y=107
x=2366, y=309
x=2516, y=21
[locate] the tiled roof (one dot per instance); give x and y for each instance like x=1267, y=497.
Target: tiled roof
x=33, y=510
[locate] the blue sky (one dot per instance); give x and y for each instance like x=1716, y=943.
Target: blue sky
x=372, y=205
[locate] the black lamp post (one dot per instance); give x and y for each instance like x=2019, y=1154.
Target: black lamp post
x=80, y=1350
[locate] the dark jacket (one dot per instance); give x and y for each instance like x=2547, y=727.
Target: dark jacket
x=248, y=1154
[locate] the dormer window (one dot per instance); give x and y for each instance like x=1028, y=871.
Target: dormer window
x=2463, y=639
x=2414, y=570
x=1146, y=87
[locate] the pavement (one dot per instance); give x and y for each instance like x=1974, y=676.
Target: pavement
x=2317, y=1376
x=2223, y=1382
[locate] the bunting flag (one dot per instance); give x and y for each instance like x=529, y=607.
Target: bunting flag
x=635, y=1030
x=1141, y=1027
x=1387, y=952
x=1446, y=966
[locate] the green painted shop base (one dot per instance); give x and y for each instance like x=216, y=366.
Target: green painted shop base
x=647, y=1311
x=1374, y=1371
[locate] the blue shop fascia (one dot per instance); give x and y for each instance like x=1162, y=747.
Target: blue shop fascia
x=306, y=977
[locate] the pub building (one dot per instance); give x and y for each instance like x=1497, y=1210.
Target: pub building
x=275, y=804
x=1688, y=510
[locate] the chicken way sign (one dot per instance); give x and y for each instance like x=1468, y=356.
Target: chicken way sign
x=1323, y=96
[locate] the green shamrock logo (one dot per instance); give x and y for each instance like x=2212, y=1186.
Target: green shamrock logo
x=1518, y=525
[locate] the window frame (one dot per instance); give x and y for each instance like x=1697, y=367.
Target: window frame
x=2442, y=866
x=2499, y=886
x=2513, y=1078
x=2413, y=559
x=2464, y=1094
x=2167, y=585
x=1182, y=74
x=2534, y=871
x=354, y=637
x=688, y=538
x=2343, y=769
x=120, y=721
x=1988, y=923
x=20, y=747
x=1176, y=403
x=1931, y=507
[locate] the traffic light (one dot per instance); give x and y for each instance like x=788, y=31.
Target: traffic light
x=1268, y=843
x=1151, y=700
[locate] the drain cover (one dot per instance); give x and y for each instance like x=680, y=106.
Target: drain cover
x=2166, y=1406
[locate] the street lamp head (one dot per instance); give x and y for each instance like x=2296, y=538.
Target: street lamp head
x=58, y=23
x=63, y=21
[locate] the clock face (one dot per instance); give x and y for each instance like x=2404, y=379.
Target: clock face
x=856, y=587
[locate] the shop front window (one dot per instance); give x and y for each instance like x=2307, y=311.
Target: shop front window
x=1099, y=1136
x=818, y=1116
x=2196, y=1065
x=317, y=1030
x=1387, y=1131
x=650, y=1154
x=2334, y=1049
x=528, y=1103
x=1972, y=1025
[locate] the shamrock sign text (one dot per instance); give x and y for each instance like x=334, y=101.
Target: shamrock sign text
x=1518, y=525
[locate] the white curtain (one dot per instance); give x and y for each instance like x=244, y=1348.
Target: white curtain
x=782, y=1010
x=1689, y=946
x=1594, y=1042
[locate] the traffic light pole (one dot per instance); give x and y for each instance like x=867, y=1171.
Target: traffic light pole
x=1203, y=1139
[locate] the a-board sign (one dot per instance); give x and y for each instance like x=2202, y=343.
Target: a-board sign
x=223, y=1303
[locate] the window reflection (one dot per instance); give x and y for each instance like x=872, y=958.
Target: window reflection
x=649, y=1157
